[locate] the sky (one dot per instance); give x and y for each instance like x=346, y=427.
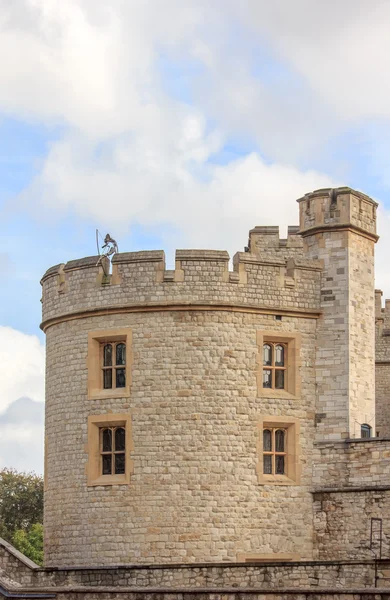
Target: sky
x=171, y=124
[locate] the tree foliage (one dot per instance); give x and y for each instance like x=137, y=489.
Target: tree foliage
x=21, y=511
x=30, y=542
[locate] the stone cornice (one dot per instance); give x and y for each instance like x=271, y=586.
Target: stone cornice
x=138, y=308
x=340, y=227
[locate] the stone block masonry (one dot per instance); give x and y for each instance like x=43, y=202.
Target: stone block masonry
x=194, y=409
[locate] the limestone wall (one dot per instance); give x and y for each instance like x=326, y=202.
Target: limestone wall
x=17, y=572
x=382, y=366
x=352, y=463
x=201, y=277
x=194, y=405
x=342, y=522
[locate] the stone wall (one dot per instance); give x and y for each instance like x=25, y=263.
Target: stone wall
x=382, y=366
x=342, y=524
x=194, y=495
x=201, y=277
x=17, y=571
x=353, y=463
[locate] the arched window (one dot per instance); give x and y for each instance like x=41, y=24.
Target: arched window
x=365, y=431
x=274, y=451
x=114, y=365
x=113, y=450
x=274, y=366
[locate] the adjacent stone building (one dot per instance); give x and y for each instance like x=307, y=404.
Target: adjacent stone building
x=208, y=428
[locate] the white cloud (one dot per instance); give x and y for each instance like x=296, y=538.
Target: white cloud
x=22, y=391
x=22, y=435
x=22, y=360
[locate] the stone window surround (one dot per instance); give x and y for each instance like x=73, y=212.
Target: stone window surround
x=292, y=474
x=292, y=341
x=95, y=423
x=95, y=382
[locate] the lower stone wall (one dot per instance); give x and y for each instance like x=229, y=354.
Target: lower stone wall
x=382, y=397
x=352, y=463
x=229, y=594
x=342, y=523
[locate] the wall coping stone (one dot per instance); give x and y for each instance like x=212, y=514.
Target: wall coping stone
x=21, y=557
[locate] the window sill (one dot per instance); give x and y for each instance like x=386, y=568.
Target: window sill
x=110, y=480
x=275, y=480
x=272, y=393
x=99, y=394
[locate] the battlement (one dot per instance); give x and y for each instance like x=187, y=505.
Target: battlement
x=340, y=207
x=201, y=277
x=265, y=240
x=382, y=314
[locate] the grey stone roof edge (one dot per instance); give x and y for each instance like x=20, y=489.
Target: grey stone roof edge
x=21, y=557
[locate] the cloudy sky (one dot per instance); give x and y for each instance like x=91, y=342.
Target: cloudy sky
x=171, y=123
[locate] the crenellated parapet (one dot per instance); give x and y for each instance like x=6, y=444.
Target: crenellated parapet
x=382, y=364
x=337, y=208
x=265, y=240
x=283, y=281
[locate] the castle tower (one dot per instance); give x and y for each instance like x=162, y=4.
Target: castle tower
x=181, y=404
x=338, y=227
x=168, y=439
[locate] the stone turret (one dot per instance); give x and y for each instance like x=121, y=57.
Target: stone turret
x=338, y=227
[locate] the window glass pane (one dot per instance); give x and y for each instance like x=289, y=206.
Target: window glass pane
x=107, y=440
x=107, y=355
x=279, y=440
x=119, y=464
x=279, y=379
x=120, y=378
x=279, y=356
x=107, y=379
x=267, y=463
x=279, y=465
x=267, y=355
x=267, y=378
x=365, y=431
x=121, y=354
x=120, y=438
x=267, y=440
x=107, y=458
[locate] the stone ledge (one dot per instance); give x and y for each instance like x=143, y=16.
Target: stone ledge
x=142, y=256
x=207, y=255
x=360, y=488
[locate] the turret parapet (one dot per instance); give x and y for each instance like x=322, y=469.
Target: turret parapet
x=277, y=280
x=340, y=207
x=139, y=257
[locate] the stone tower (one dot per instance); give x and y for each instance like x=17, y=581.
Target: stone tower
x=182, y=406
x=339, y=228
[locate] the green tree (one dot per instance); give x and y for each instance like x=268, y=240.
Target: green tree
x=21, y=502
x=30, y=542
